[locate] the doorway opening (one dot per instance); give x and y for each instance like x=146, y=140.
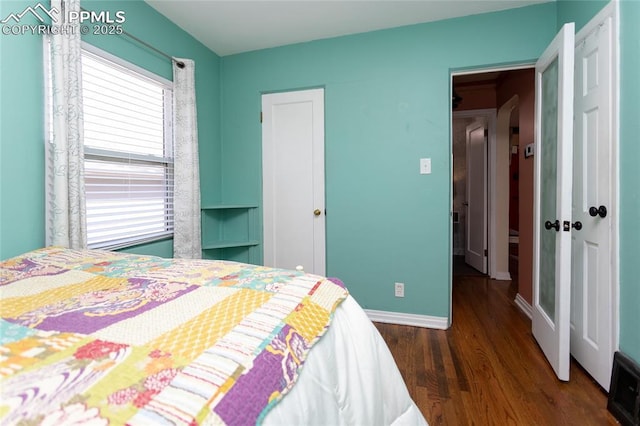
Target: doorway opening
x=505, y=98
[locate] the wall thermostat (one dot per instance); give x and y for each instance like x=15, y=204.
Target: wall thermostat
x=528, y=151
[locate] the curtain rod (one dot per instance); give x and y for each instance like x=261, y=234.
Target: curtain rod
x=180, y=64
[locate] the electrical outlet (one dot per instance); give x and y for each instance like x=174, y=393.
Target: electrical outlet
x=399, y=289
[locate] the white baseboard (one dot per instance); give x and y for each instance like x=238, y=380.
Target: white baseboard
x=502, y=276
x=426, y=321
x=524, y=306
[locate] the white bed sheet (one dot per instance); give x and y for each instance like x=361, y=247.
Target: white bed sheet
x=349, y=378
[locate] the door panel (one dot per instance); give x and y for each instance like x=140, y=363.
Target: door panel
x=552, y=202
x=476, y=239
x=293, y=180
x=592, y=281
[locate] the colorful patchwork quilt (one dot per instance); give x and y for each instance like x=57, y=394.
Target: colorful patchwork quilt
x=97, y=338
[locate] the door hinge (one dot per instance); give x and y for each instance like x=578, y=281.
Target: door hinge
x=486, y=252
x=486, y=133
x=260, y=116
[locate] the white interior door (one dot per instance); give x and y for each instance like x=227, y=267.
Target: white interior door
x=476, y=238
x=592, y=279
x=293, y=180
x=552, y=200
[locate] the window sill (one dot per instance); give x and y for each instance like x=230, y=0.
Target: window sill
x=132, y=244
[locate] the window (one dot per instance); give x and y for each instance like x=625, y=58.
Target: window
x=128, y=152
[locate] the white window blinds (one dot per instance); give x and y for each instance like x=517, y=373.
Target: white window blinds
x=128, y=153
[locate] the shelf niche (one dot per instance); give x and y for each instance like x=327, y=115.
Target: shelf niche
x=230, y=232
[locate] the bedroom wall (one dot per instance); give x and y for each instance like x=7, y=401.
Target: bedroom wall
x=579, y=11
x=386, y=105
x=21, y=138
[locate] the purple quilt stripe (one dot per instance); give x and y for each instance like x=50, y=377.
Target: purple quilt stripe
x=26, y=268
x=249, y=396
x=89, y=319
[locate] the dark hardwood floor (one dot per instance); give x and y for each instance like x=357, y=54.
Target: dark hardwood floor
x=487, y=368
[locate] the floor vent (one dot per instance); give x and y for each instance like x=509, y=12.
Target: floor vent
x=624, y=392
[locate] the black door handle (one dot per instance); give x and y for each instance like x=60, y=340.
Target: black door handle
x=598, y=211
x=577, y=225
x=548, y=225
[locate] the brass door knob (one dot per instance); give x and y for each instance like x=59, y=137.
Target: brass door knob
x=317, y=212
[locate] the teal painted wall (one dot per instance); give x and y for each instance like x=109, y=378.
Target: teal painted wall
x=386, y=105
x=22, y=145
x=578, y=11
x=21, y=140
x=162, y=248
x=629, y=178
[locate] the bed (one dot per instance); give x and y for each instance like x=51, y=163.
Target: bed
x=97, y=337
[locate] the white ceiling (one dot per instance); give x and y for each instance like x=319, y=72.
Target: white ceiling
x=234, y=26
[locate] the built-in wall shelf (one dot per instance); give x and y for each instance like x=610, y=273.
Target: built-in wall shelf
x=230, y=232
x=229, y=206
x=229, y=244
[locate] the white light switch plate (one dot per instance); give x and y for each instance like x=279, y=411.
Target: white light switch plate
x=425, y=166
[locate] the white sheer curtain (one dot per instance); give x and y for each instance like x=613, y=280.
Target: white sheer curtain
x=65, y=211
x=186, y=191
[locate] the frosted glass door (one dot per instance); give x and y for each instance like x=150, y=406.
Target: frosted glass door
x=548, y=190
x=553, y=183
